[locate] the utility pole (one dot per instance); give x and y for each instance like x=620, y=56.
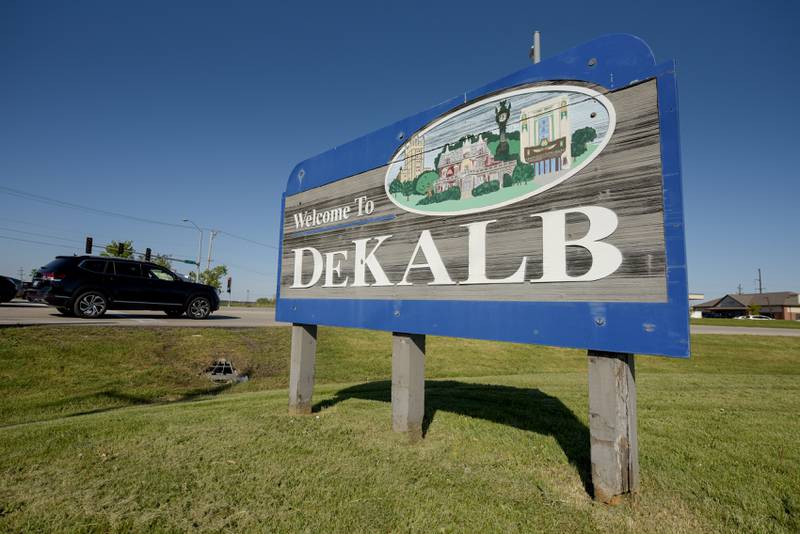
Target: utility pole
x=21, y=273
x=740, y=289
x=536, y=49
x=760, y=285
x=211, y=235
x=199, y=248
x=247, y=300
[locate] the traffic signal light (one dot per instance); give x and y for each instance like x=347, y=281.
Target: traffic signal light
x=147, y=253
x=120, y=249
x=88, y=245
x=230, y=279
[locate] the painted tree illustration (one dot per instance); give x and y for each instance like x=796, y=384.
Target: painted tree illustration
x=425, y=181
x=523, y=173
x=580, y=138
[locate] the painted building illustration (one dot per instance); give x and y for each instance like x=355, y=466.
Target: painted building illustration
x=546, y=136
x=414, y=159
x=470, y=166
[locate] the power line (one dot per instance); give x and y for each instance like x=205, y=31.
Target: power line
x=98, y=244
x=248, y=269
x=247, y=239
x=40, y=235
x=63, y=204
x=84, y=232
x=132, y=250
x=60, y=203
x=36, y=242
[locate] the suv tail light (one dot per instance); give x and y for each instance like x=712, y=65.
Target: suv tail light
x=53, y=277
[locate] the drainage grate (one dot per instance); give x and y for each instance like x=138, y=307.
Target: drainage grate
x=222, y=371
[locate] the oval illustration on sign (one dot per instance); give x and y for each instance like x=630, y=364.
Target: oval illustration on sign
x=500, y=150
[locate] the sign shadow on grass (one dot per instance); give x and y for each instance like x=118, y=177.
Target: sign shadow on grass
x=527, y=409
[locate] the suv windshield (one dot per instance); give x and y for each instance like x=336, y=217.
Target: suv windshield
x=157, y=273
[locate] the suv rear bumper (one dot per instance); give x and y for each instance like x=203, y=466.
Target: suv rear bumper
x=45, y=295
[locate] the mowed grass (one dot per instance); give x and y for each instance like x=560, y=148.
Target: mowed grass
x=776, y=323
x=114, y=429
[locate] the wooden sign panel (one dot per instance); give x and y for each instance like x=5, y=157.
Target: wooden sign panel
x=543, y=208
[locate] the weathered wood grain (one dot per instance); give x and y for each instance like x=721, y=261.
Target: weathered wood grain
x=625, y=177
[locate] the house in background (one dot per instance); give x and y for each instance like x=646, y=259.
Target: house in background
x=778, y=305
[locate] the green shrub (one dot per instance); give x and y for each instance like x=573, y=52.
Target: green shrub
x=454, y=193
x=580, y=138
x=425, y=181
x=487, y=187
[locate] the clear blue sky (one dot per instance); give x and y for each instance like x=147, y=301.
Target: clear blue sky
x=168, y=110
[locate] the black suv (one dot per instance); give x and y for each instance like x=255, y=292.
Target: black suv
x=87, y=286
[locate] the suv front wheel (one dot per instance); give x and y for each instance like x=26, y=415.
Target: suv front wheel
x=198, y=308
x=90, y=304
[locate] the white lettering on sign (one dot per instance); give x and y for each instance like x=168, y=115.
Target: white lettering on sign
x=477, y=258
x=334, y=268
x=314, y=218
x=298, y=267
x=433, y=261
x=606, y=258
x=364, y=261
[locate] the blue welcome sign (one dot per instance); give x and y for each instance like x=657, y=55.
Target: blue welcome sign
x=544, y=207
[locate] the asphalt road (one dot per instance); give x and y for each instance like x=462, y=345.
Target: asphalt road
x=744, y=330
x=26, y=313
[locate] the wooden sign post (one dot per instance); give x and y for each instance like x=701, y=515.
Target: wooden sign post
x=544, y=207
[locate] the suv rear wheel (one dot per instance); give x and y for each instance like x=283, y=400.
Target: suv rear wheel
x=90, y=304
x=198, y=308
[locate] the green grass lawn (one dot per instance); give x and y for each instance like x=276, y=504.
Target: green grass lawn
x=746, y=323
x=115, y=429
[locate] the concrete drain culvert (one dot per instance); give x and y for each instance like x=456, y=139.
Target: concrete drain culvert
x=223, y=371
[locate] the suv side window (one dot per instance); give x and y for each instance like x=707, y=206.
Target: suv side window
x=156, y=273
x=123, y=268
x=95, y=266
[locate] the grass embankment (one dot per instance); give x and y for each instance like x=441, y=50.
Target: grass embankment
x=506, y=445
x=744, y=322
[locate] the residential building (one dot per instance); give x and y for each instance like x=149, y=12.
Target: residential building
x=778, y=305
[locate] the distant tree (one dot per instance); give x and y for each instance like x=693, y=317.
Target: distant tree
x=33, y=272
x=754, y=309
x=580, y=138
x=425, y=181
x=507, y=181
x=160, y=259
x=211, y=277
x=112, y=249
